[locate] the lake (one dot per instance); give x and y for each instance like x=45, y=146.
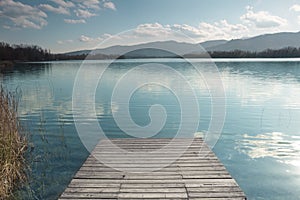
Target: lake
x=259, y=143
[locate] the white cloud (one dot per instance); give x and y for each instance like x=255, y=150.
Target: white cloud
x=234, y=28
x=262, y=19
x=63, y=3
x=109, y=5
x=223, y=30
x=295, y=7
x=298, y=18
x=84, y=13
x=93, y=4
x=207, y=31
x=75, y=21
x=58, y=10
x=84, y=38
x=22, y=15
x=106, y=35
x=64, y=41
x=90, y=4
x=6, y=27
x=151, y=30
x=204, y=31
x=189, y=30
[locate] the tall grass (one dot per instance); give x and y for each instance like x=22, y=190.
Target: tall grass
x=12, y=146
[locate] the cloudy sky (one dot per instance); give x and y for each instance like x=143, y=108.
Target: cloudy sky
x=67, y=25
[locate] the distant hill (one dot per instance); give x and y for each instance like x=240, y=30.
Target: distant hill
x=255, y=44
x=149, y=53
x=180, y=48
x=261, y=42
x=76, y=53
x=212, y=43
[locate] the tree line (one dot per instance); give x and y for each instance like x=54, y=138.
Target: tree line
x=288, y=52
x=35, y=53
x=23, y=52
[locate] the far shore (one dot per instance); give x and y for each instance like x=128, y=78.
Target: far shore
x=7, y=64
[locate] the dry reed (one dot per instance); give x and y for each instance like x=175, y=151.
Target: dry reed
x=12, y=146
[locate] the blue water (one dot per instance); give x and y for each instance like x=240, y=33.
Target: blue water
x=259, y=142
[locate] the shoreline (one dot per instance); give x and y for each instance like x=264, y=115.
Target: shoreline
x=217, y=60
x=6, y=64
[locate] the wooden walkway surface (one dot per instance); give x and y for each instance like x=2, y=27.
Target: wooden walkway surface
x=196, y=174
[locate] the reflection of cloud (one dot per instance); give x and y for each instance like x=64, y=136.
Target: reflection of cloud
x=252, y=88
x=283, y=147
x=34, y=100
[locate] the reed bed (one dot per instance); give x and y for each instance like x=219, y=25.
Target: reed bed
x=12, y=146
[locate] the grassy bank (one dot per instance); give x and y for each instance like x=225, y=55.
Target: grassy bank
x=12, y=146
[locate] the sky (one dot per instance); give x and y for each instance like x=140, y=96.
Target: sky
x=69, y=25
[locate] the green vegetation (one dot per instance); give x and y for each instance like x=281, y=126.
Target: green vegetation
x=12, y=146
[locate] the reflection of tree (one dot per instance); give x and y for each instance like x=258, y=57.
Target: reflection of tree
x=33, y=70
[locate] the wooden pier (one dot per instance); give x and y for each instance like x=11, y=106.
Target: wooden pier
x=195, y=174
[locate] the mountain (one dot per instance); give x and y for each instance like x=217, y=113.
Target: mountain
x=212, y=43
x=261, y=42
x=155, y=49
x=179, y=48
x=76, y=53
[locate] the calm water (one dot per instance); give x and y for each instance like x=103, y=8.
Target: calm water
x=259, y=144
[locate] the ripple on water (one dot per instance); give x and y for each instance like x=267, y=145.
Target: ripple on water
x=283, y=147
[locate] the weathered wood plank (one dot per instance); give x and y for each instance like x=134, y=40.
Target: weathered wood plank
x=216, y=194
x=149, y=168
x=153, y=190
x=195, y=173
x=92, y=190
x=152, y=195
x=147, y=185
x=162, y=174
x=107, y=195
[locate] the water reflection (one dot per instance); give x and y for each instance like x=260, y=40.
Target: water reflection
x=285, y=148
x=263, y=101
x=261, y=136
x=279, y=71
x=262, y=81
